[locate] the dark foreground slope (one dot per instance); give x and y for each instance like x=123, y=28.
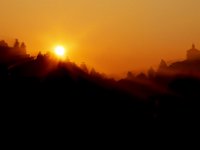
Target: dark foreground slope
x=45, y=93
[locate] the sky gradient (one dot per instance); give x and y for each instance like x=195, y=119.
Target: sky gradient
x=113, y=36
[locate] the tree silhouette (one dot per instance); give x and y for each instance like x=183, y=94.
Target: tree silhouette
x=130, y=75
x=16, y=44
x=141, y=76
x=23, y=46
x=3, y=43
x=163, y=64
x=84, y=68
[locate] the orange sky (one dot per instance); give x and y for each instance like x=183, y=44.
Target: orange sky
x=114, y=36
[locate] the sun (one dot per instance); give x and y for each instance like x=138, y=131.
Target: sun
x=60, y=51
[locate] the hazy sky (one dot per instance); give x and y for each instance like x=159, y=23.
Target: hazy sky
x=112, y=35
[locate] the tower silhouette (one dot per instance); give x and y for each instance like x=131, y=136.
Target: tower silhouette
x=193, y=53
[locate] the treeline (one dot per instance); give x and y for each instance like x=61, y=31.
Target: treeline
x=44, y=88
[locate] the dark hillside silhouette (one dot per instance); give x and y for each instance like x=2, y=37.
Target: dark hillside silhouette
x=45, y=90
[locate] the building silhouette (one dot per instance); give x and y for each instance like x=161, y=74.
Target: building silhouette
x=193, y=53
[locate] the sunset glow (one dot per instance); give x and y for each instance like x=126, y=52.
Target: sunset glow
x=89, y=64
x=111, y=35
